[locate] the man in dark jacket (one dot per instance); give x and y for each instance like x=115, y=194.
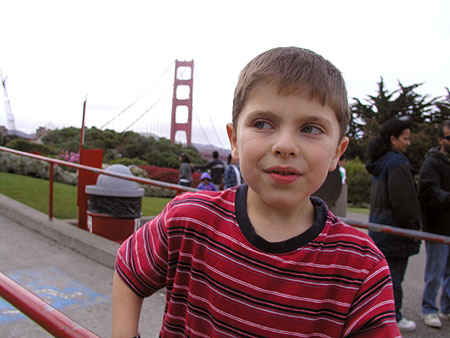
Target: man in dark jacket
x=434, y=197
x=216, y=167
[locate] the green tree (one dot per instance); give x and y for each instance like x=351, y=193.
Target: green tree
x=385, y=105
x=423, y=137
x=443, y=108
x=58, y=137
x=370, y=114
x=128, y=146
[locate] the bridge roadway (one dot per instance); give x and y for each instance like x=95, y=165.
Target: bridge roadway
x=72, y=270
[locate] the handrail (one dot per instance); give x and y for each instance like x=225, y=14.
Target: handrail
x=410, y=233
x=52, y=162
x=45, y=315
x=101, y=171
x=366, y=225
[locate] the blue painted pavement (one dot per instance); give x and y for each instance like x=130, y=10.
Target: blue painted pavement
x=55, y=287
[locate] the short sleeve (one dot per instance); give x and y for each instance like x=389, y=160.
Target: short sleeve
x=373, y=311
x=142, y=259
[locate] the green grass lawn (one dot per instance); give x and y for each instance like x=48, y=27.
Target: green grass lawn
x=34, y=193
x=364, y=211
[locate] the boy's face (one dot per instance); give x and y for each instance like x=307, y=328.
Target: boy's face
x=286, y=145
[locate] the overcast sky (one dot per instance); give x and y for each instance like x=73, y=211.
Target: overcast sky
x=55, y=53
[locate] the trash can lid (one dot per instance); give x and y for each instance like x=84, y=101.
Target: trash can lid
x=114, y=186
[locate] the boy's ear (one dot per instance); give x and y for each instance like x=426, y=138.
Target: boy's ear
x=340, y=149
x=232, y=136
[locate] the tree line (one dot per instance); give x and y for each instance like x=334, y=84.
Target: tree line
x=125, y=148
x=423, y=112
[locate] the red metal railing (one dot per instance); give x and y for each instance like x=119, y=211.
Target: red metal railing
x=52, y=162
x=178, y=188
x=49, y=318
x=426, y=236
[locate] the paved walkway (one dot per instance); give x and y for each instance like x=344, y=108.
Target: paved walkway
x=71, y=282
x=81, y=287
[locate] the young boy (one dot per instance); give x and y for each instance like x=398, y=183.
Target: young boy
x=264, y=259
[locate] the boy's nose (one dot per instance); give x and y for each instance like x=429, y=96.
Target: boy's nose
x=285, y=145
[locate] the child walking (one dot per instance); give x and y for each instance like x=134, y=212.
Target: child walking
x=264, y=259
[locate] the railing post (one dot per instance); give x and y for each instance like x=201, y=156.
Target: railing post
x=50, y=191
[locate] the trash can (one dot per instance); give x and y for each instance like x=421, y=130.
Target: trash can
x=114, y=205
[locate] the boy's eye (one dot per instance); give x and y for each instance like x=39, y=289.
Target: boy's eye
x=261, y=124
x=311, y=130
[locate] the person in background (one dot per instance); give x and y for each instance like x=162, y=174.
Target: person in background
x=216, y=167
x=434, y=198
x=232, y=176
x=206, y=183
x=185, y=175
x=393, y=201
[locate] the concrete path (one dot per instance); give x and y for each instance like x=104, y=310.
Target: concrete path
x=80, y=286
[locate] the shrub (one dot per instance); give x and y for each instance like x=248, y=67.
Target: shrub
x=154, y=191
x=27, y=146
x=69, y=156
x=168, y=175
x=128, y=161
x=359, y=181
x=196, y=179
x=21, y=165
x=151, y=190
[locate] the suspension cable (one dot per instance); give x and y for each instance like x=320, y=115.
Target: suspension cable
x=154, y=104
x=210, y=119
x=136, y=100
x=148, y=109
x=215, y=131
x=206, y=136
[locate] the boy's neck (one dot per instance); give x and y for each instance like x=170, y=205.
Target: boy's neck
x=275, y=224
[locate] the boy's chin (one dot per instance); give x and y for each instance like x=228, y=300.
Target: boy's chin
x=283, y=200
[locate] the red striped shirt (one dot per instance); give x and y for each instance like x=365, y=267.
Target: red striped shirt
x=223, y=280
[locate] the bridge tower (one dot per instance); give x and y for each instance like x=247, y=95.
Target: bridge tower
x=182, y=99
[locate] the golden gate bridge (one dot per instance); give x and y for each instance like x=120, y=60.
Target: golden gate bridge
x=182, y=112
x=148, y=114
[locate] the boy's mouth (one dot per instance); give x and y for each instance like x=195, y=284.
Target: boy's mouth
x=283, y=171
x=283, y=175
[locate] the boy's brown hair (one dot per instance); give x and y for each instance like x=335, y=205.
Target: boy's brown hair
x=295, y=71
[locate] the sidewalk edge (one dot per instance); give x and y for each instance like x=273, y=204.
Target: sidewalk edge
x=81, y=241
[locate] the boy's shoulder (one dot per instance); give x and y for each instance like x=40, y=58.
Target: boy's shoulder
x=203, y=200
x=339, y=232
